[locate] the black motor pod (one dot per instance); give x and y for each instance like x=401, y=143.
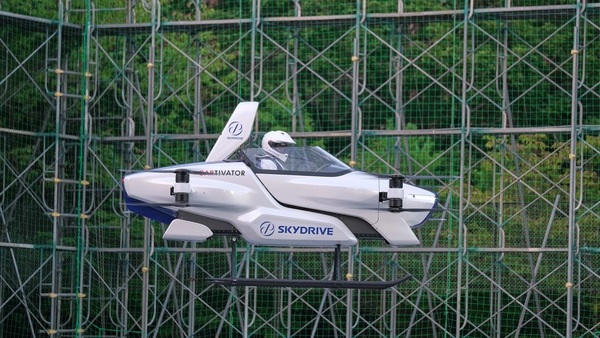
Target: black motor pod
x=182, y=176
x=395, y=193
x=396, y=181
x=181, y=190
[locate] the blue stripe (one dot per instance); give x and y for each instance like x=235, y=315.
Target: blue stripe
x=145, y=209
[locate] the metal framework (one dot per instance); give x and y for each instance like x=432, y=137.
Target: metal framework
x=74, y=262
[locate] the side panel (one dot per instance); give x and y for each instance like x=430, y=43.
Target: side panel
x=356, y=194
x=282, y=226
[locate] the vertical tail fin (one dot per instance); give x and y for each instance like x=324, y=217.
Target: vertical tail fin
x=236, y=131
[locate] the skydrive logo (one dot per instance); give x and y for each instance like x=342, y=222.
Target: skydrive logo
x=267, y=228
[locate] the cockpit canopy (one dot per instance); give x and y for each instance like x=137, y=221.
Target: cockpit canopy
x=300, y=160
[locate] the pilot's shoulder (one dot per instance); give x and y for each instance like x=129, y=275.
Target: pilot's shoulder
x=265, y=162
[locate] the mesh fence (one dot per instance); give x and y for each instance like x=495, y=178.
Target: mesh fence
x=492, y=105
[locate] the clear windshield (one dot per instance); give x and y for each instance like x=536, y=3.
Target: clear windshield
x=298, y=159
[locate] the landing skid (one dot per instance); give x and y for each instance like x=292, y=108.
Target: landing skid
x=335, y=283
x=307, y=283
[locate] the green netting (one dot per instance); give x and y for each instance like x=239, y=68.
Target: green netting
x=492, y=105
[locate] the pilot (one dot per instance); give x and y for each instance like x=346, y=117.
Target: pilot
x=274, y=144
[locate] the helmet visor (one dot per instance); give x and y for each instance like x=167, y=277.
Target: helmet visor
x=281, y=148
x=274, y=144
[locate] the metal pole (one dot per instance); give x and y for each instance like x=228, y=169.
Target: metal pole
x=82, y=175
x=149, y=163
x=58, y=188
x=355, y=80
x=571, y=256
x=463, y=140
x=123, y=276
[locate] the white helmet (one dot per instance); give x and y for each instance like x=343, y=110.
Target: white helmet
x=274, y=141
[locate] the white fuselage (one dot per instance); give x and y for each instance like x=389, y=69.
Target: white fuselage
x=287, y=209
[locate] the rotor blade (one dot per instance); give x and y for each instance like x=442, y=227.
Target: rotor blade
x=173, y=171
x=416, y=209
x=150, y=204
x=427, y=209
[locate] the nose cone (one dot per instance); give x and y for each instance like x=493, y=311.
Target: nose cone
x=141, y=198
x=413, y=204
x=408, y=207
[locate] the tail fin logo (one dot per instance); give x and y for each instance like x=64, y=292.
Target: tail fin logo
x=235, y=128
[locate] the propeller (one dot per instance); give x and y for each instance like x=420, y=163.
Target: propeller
x=152, y=204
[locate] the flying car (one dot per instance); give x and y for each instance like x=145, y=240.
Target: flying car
x=315, y=200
